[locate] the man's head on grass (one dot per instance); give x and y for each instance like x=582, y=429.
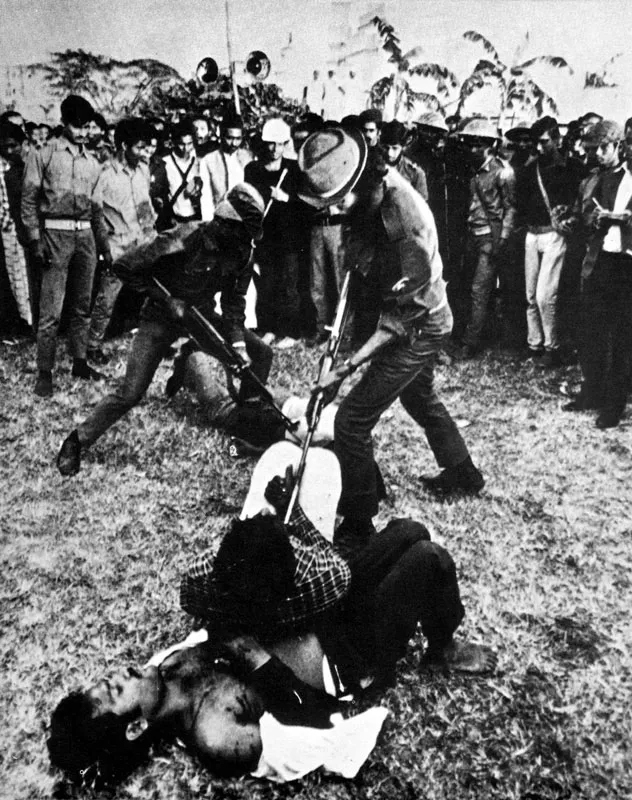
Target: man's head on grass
x=100, y=735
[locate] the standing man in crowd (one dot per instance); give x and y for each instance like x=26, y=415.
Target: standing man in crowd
x=63, y=216
x=182, y=173
x=545, y=185
x=490, y=222
x=223, y=167
x=202, y=136
x=392, y=234
x=393, y=140
x=276, y=178
x=129, y=219
x=606, y=352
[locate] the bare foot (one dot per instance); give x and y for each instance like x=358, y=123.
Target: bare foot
x=463, y=657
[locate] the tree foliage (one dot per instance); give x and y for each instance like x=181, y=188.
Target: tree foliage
x=602, y=78
x=517, y=88
x=398, y=83
x=115, y=88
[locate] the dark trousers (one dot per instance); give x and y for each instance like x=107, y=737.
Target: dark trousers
x=480, y=250
x=278, y=302
x=146, y=352
x=327, y=274
x=73, y=260
x=404, y=369
x=606, y=340
x=399, y=579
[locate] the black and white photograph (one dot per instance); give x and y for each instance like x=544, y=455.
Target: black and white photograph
x=315, y=360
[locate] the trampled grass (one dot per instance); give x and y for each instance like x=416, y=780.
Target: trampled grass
x=90, y=580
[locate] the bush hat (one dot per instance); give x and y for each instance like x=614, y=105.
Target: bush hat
x=331, y=161
x=244, y=204
x=478, y=129
x=394, y=133
x=432, y=119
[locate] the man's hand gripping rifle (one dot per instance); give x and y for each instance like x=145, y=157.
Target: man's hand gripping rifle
x=209, y=339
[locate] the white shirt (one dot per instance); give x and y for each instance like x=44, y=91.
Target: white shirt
x=183, y=207
x=220, y=171
x=612, y=241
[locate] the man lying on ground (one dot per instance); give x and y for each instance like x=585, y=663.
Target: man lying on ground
x=260, y=694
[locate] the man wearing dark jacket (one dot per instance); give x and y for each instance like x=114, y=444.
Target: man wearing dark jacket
x=193, y=261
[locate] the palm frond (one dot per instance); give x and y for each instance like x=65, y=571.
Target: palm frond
x=390, y=40
x=478, y=38
x=445, y=78
x=552, y=61
x=380, y=91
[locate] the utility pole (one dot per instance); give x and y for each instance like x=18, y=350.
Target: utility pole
x=231, y=63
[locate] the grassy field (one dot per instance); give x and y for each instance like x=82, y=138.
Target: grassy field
x=90, y=580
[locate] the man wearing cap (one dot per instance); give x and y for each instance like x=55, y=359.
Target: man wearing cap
x=490, y=222
x=277, y=254
x=606, y=288
x=543, y=186
x=393, y=140
x=194, y=262
x=393, y=237
x=63, y=217
x=223, y=167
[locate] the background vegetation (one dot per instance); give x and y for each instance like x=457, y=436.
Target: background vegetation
x=90, y=580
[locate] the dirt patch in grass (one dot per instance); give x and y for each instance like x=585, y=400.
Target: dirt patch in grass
x=90, y=580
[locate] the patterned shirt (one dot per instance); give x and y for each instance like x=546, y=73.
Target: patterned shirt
x=61, y=182
x=321, y=578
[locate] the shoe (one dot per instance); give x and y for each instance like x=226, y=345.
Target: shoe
x=580, y=403
x=69, y=457
x=81, y=369
x=550, y=360
x=44, y=384
x=267, y=338
x=286, y=343
x=464, y=478
x=98, y=356
x=607, y=420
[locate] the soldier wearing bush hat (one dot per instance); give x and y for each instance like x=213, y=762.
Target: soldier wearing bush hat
x=393, y=241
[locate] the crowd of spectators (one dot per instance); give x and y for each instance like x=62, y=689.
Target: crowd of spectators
x=533, y=222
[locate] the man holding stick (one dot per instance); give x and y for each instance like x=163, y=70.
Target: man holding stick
x=194, y=261
x=393, y=239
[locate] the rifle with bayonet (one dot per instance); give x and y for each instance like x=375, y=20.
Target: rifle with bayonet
x=317, y=405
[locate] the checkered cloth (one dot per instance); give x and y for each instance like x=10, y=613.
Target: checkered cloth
x=321, y=579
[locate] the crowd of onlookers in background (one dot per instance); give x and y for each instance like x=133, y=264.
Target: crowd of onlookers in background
x=533, y=222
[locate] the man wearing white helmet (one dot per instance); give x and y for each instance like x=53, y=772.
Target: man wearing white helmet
x=276, y=178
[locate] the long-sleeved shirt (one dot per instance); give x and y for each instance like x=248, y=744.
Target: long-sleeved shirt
x=561, y=182
x=283, y=226
x=127, y=209
x=220, y=171
x=61, y=182
x=492, y=199
x=321, y=579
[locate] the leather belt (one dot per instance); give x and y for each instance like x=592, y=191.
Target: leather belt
x=67, y=224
